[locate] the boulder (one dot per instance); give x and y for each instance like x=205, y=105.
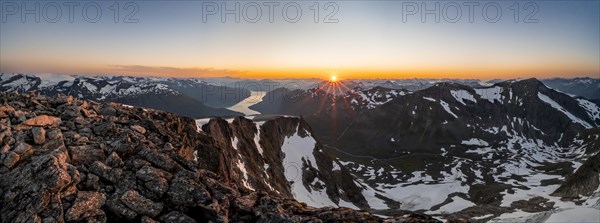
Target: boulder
x=39, y=135
x=10, y=159
x=140, y=204
x=42, y=121
x=86, y=202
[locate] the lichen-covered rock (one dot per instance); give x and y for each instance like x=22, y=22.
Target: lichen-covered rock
x=105, y=172
x=86, y=202
x=154, y=179
x=141, y=205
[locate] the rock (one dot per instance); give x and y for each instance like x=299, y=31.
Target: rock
x=6, y=108
x=42, y=121
x=187, y=192
x=106, y=128
x=92, y=181
x=105, y=172
x=4, y=149
x=154, y=179
x=62, y=99
x=115, y=205
x=39, y=135
x=139, y=129
x=23, y=149
x=10, y=159
x=108, y=111
x=85, y=154
x=159, y=159
x=140, y=204
x=114, y=160
x=176, y=217
x=146, y=219
x=9, y=140
x=86, y=202
x=54, y=134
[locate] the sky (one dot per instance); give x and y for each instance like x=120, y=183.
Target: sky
x=351, y=39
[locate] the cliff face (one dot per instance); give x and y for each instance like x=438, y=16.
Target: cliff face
x=280, y=155
x=67, y=160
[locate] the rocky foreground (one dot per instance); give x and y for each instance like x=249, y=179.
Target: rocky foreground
x=68, y=160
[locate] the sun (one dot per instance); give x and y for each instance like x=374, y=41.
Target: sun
x=333, y=78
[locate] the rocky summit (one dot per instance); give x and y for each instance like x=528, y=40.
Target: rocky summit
x=68, y=160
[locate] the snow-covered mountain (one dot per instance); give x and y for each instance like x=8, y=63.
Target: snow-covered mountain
x=495, y=152
x=584, y=87
x=187, y=97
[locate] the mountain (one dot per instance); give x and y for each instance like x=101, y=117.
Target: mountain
x=484, y=153
x=584, y=87
x=182, y=96
x=69, y=160
x=280, y=155
x=447, y=115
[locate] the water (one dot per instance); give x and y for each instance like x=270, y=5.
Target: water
x=244, y=105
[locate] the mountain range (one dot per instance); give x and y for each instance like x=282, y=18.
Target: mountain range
x=521, y=150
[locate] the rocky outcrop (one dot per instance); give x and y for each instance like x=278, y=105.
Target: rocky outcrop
x=254, y=152
x=94, y=162
x=583, y=182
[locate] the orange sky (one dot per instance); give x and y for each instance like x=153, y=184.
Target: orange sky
x=369, y=41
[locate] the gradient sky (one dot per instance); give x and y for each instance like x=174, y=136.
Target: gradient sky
x=369, y=41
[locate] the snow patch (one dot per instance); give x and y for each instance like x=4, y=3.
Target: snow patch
x=462, y=95
x=447, y=108
x=491, y=94
x=555, y=105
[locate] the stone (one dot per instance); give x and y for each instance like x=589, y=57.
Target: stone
x=39, y=135
x=23, y=149
x=154, y=179
x=10, y=159
x=108, y=111
x=6, y=108
x=114, y=160
x=158, y=159
x=62, y=99
x=42, y=121
x=54, y=134
x=86, y=202
x=116, y=206
x=146, y=219
x=176, y=217
x=9, y=140
x=139, y=129
x=71, y=112
x=86, y=154
x=105, y=172
x=186, y=192
x=92, y=181
x=140, y=204
x=4, y=149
